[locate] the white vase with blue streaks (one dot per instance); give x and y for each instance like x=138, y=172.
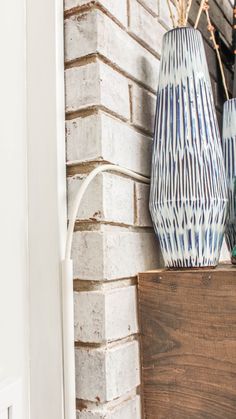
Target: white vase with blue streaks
x=229, y=151
x=188, y=196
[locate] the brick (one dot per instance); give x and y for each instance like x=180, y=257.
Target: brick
x=145, y=27
x=143, y=218
x=87, y=255
x=105, y=316
x=164, y=14
x=82, y=87
x=117, y=8
x=111, y=253
x=109, y=198
x=101, y=137
x=92, y=206
x=109, y=40
x=152, y=5
x=143, y=108
x=96, y=84
x=84, y=138
x=104, y=374
x=129, y=409
x=80, y=39
x=89, y=308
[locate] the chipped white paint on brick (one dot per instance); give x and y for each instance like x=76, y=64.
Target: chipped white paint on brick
x=84, y=138
x=111, y=254
x=108, y=198
x=92, y=206
x=113, y=43
x=129, y=409
x=82, y=87
x=102, y=316
x=103, y=137
x=104, y=374
x=96, y=84
x=87, y=254
x=80, y=36
x=118, y=8
x=89, y=316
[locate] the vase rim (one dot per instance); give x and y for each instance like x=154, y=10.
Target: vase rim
x=230, y=100
x=180, y=28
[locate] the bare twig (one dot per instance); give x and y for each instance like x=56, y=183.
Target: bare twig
x=171, y=14
x=183, y=8
x=199, y=13
x=182, y=13
x=211, y=29
x=189, y=4
x=176, y=3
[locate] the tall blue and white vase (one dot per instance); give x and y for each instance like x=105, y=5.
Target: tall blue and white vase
x=188, y=196
x=229, y=151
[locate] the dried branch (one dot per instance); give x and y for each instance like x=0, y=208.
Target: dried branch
x=189, y=4
x=182, y=13
x=176, y=3
x=199, y=13
x=211, y=29
x=171, y=14
x=183, y=9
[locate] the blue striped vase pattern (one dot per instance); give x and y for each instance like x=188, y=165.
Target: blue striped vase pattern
x=188, y=196
x=229, y=151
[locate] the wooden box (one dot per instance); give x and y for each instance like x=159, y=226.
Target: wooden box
x=188, y=343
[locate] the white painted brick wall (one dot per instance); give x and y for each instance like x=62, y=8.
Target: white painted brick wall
x=130, y=409
x=92, y=206
x=102, y=316
x=113, y=43
x=142, y=213
x=105, y=374
x=96, y=84
x=103, y=137
x=113, y=254
x=152, y=5
x=143, y=108
x=112, y=51
x=118, y=8
x=81, y=39
x=109, y=197
x=82, y=87
x=84, y=139
x=145, y=27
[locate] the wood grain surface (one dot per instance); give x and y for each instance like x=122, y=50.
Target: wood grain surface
x=188, y=343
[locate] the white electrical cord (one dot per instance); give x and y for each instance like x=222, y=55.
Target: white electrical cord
x=82, y=190
x=67, y=289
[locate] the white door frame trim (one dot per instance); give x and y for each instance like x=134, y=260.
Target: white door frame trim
x=47, y=203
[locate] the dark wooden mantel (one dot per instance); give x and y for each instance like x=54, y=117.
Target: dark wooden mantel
x=188, y=343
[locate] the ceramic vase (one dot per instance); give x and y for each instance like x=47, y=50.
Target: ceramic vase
x=229, y=151
x=188, y=196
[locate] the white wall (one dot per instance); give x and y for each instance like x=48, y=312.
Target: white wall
x=47, y=202
x=13, y=203
x=33, y=201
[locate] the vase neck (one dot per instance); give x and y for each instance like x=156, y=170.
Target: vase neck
x=183, y=55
